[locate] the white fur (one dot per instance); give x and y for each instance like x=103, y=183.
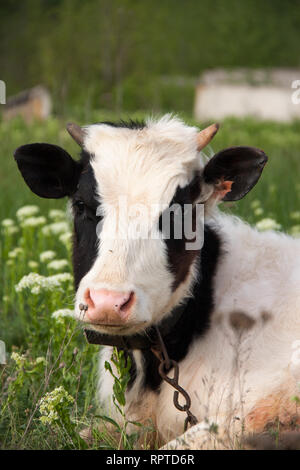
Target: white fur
x=227, y=373
x=142, y=167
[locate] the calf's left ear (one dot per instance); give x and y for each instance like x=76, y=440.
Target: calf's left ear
x=234, y=171
x=48, y=170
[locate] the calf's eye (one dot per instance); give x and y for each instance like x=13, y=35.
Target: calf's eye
x=79, y=206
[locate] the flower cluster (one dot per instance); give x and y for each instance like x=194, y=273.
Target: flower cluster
x=66, y=238
x=9, y=227
x=33, y=264
x=54, y=404
x=57, y=214
x=267, y=224
x=37, y=283
x=58, y=264
x=47, y=256
x=56, y=228
x=13, y=254
x=19, y=359
x=7, y=223
x=33, y=221
x=27, y=211
x=60, y=315
x=62, y=277
x=40, y=360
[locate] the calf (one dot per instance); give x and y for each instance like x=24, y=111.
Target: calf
x=227, y=308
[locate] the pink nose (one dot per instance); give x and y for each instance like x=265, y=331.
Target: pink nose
x=108, y=307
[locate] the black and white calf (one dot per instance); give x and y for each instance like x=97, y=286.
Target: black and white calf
x=236, y=339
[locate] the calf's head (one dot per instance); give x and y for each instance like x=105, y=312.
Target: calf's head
x=127, y=177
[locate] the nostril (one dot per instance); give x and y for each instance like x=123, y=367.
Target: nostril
x=88, y=299
x=128, y=302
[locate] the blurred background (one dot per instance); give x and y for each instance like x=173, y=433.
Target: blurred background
x=129, y=55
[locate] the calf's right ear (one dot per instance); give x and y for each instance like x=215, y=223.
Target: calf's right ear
x=48, y=170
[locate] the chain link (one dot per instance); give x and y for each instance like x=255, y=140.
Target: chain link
x=165, y=366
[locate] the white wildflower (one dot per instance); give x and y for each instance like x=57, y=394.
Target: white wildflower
x=62, y=277
x=34, y=221
x=7, y=223
x=27, y=211
x=56, y=228
x=15, y=252
x=254, y=204
x=57, y=214
x=258, y=211
x=33, y=264
x=66, y=238
x=37, y=283
x=58, y=264
x=47, y=256
x=59, y=315
x=53, y=404
x=18, y=358
x=40, y=360
x=11, y=230
x=267, y=224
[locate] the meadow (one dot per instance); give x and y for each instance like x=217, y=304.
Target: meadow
x=49, y=381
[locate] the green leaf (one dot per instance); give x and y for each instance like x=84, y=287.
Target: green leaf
x=107, y=366
x=109, y=420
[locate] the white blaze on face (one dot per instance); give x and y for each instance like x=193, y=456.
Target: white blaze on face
x=137, y=172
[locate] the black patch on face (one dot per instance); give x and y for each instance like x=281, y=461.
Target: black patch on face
x=180, y=259
x=195, y=320
x=85, y=205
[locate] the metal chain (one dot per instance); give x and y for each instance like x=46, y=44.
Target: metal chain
x=166, y=364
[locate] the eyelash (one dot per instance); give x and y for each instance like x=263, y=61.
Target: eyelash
x=79, y=206
x=82, y=209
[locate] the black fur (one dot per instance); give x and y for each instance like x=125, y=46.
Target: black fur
x=195, y=320
x=48, y=170
x=85, y=206
x=179, y=258
x=131, y=124
x=241, y=165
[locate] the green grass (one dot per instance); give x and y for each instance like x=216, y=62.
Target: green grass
x=51, y=352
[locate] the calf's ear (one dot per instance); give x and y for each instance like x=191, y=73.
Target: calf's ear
x=48, y=170
x=234, y=171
